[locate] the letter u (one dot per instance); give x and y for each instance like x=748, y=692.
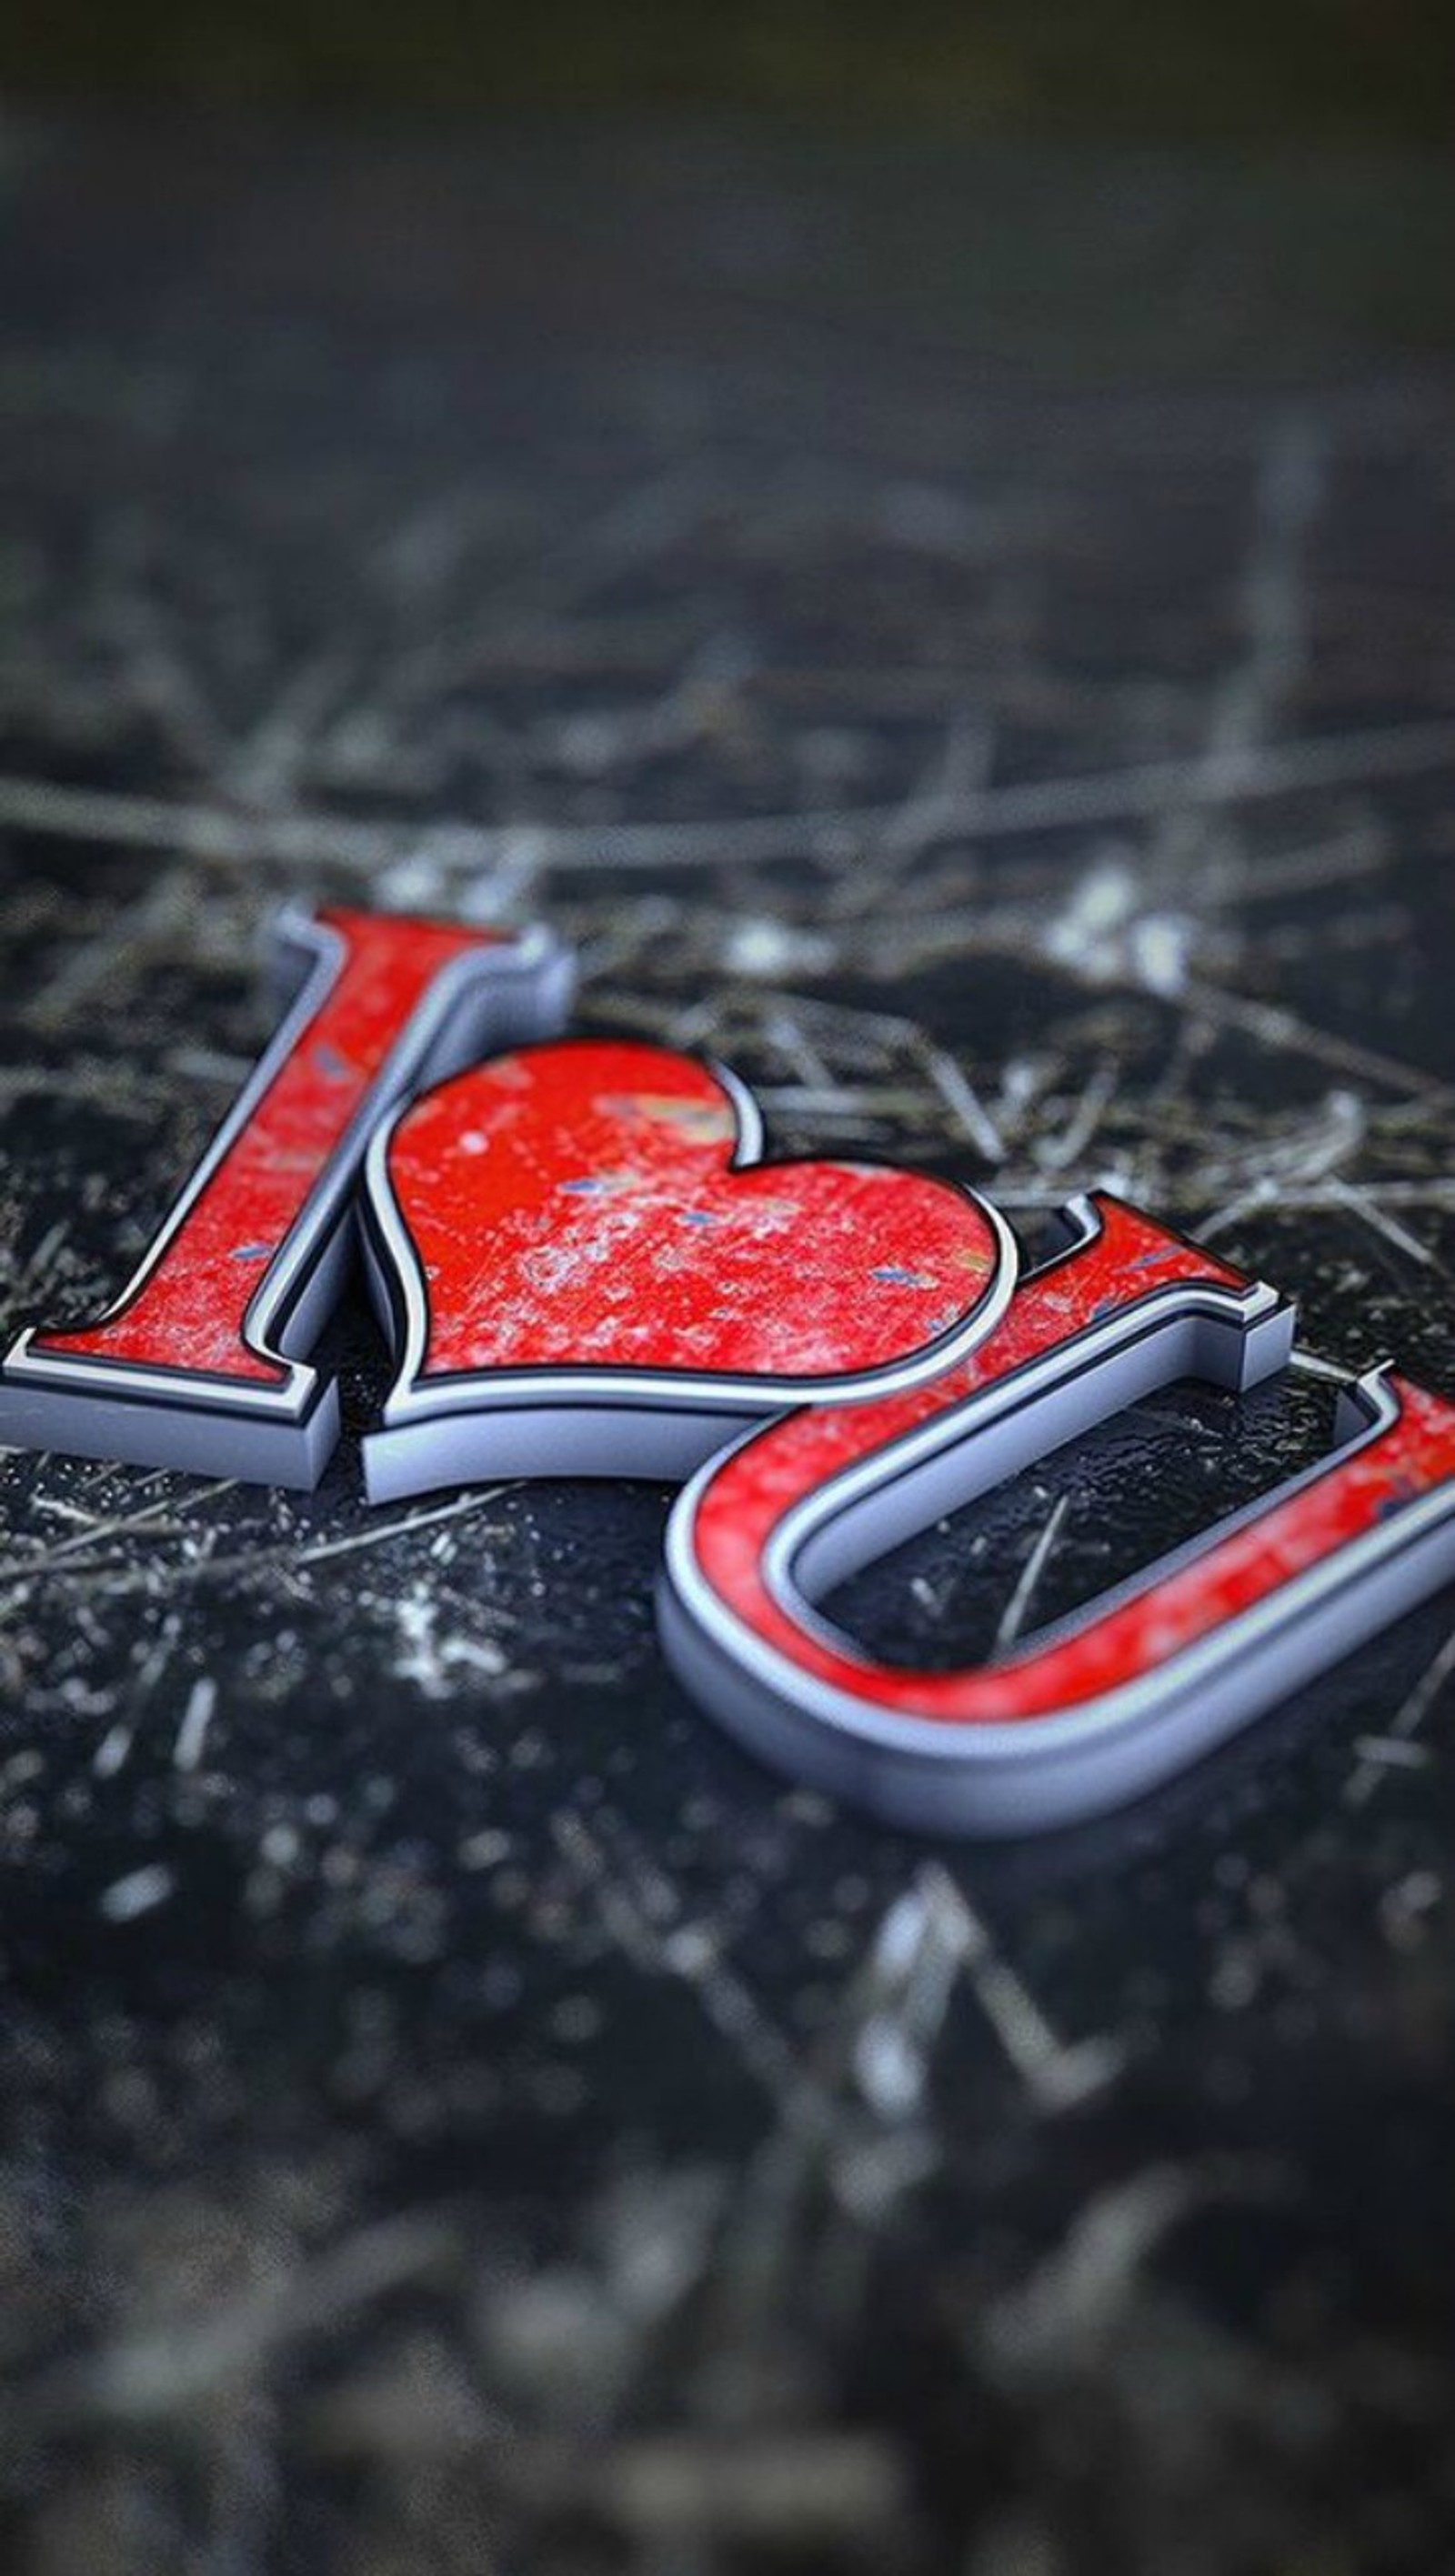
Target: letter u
x=1112, y=1701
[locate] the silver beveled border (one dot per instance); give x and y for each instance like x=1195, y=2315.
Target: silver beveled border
x=997, y=1779
x=282, y=1434
x=604, y=1421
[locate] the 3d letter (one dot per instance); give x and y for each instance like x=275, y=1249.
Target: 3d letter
x=1117, y=1697
x=201, y=1363
x=585, y=1270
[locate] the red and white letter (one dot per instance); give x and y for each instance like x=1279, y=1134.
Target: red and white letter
x=1118, y=1697
x=202, y=1361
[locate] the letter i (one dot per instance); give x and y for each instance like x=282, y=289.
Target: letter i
x=202, y=1362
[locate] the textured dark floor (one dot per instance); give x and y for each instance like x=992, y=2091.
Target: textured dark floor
x=972, y=644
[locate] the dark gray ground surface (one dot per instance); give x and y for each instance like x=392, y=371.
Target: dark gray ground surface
x=972, y=644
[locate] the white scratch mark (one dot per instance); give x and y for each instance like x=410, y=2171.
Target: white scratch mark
x=196, y=1719
x=1359, y=1788
x=1056, y=2075
x=140, y=1892
x=111, y=1753
x=1013, y=1617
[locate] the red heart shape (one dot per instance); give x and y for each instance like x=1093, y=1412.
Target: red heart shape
x=584, y=1225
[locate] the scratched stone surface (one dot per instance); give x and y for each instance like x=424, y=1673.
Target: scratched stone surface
x=971, y=643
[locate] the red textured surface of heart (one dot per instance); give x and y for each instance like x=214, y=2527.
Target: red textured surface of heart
x=576, y=1206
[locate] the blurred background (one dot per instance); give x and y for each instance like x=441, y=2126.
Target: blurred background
x=1341, y=70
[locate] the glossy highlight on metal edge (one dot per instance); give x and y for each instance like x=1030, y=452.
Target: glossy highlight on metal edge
x=605, y=1420
x=283, y=1433
x=794, y=1477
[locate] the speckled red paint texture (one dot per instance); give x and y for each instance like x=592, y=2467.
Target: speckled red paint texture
x=750, y=1496
x=576, y=1206
x=189, y=1313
